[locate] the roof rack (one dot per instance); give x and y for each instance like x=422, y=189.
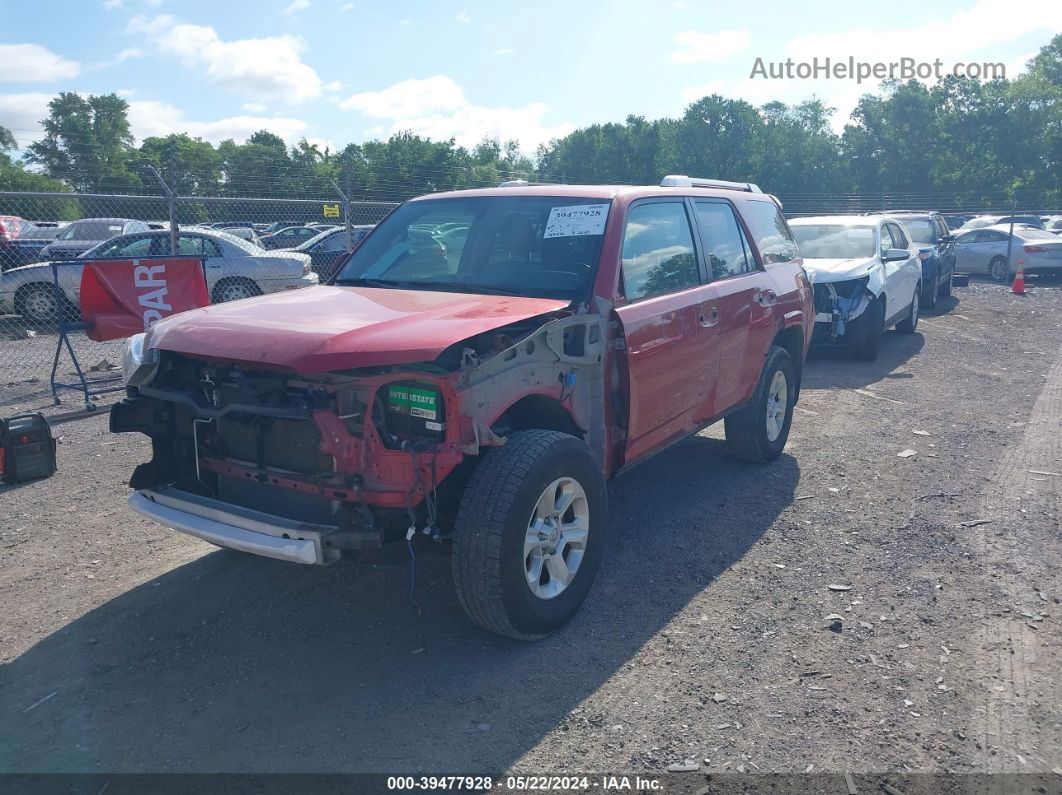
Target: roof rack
x=682, y=181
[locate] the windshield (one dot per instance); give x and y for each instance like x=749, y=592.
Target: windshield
x=922, y=230
x=977, y=223
x=834, y=241
x=91, y=230
x=541, y=246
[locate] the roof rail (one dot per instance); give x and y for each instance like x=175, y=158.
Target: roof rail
x=514, y=183
x=682, y=181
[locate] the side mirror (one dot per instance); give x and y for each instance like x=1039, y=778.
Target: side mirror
x=947, y=238
x=896, y=254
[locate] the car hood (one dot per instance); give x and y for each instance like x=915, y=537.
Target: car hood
x=319, y=329
x=823, y=271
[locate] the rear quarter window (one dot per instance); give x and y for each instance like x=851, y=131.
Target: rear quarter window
x=769, y=232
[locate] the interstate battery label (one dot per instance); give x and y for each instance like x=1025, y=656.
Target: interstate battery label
x=413, y=401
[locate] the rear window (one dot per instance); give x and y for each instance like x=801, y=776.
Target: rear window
x=91, y=230
x=769, y=232
x=921, y=230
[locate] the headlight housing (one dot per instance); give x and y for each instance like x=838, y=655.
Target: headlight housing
x=138, y=364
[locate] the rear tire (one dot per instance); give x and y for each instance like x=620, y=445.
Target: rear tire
x=37, y=303
x=757, y=432
x=871, y=347
x=517, y=571
x=910, y=323
x=234, y=288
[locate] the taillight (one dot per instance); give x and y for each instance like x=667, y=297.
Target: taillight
x=1035, y=249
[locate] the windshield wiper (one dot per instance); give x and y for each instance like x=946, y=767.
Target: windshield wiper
x=360, y=282
x=469, y=287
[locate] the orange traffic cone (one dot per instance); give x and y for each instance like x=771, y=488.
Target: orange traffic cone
x=1018, y=287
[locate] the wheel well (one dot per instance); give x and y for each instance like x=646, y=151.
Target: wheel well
x=536, y=412
x=792, y=340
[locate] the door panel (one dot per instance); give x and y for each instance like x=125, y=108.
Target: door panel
x=671, y=365
x=670, y=326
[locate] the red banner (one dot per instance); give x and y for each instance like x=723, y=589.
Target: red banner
x=122, y=297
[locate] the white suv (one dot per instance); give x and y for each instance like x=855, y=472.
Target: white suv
x=866, y=278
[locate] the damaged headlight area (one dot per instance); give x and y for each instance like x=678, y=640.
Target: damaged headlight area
x=138, y=365
x=837, y=304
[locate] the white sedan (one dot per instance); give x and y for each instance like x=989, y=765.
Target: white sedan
x=234, y=269
x=867, y=277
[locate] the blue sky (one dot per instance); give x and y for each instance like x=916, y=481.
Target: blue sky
x=336, y=71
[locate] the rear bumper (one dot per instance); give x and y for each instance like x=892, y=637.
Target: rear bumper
x=233, y=527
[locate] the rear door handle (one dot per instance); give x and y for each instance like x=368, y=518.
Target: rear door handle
x=710, y=319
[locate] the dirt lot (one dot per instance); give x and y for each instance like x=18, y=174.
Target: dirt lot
x=127, y=647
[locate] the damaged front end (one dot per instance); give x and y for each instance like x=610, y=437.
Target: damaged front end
x=841, y=315
x=312, y=469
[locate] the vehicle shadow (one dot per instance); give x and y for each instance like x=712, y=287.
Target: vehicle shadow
x=236, y=663
x=837, y=368
x=945, y=303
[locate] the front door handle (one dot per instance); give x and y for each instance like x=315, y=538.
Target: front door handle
x=710, y=319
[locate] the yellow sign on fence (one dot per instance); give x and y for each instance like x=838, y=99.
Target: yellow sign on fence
x=331, y=210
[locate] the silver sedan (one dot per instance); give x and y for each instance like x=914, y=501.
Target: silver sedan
x=235, y=269
x=984, y=251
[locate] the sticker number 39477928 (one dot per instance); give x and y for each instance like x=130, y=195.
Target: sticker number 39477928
x=577, y=220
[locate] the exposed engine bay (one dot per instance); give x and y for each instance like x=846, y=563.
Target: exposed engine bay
x=838, y=304
x=360, y=457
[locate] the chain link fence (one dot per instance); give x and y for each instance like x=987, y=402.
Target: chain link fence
x=251, y=246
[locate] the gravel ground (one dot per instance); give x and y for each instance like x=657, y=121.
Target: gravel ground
x=128, y=647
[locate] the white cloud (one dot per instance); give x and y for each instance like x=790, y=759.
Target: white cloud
x=333, y=86
x=254, y=107
x=504, y=51
x=297, y=6
x=347, y=7
x=126, y=92
x=986, y=24
x=22, y=114
x=32, y=63
x=149, y=117
x=464, y=17
x=268, y=68
x=1017, y=65
x=405, y=21
x=695, y=47
x=437, y=107
x=130, y=52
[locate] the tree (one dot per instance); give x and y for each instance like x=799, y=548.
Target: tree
x=87, y=143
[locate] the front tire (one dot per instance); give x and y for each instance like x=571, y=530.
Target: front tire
x=234, y=288
x=870, y=348
x=757, y=433
x=999, y=270
x=934, y=290
x=945, y=288
x=529, y=534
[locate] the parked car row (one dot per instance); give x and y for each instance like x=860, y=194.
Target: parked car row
x=234, y=269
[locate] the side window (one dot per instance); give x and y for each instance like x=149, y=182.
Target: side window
x=991, y=236
x=898, y=236
x=658, y=253
x=769, y=231
x=721, y=240
x=942, y=228
x=886, y=239
x=189, y=246
x=211, y=248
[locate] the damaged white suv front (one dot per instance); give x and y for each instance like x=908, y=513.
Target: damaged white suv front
x=865, y=276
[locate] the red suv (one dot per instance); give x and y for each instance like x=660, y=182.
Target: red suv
x=478, y=368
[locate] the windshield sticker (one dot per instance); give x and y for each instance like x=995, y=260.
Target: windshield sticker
x=581, y=219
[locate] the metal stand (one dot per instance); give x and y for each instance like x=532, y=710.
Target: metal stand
x=89, y=387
